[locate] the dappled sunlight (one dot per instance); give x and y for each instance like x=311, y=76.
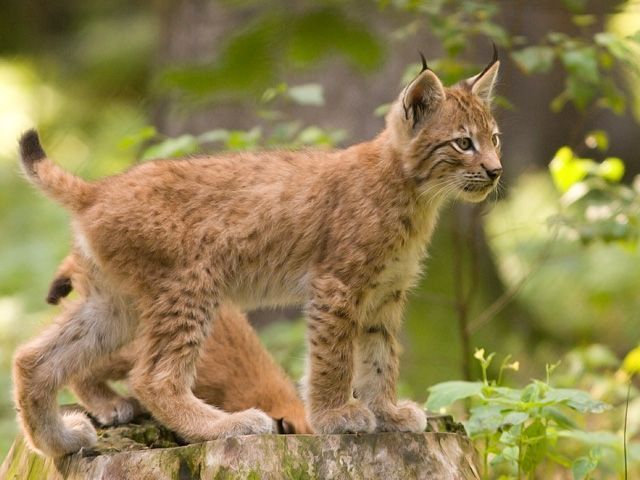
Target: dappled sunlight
x=25, y=100
x=578, y=293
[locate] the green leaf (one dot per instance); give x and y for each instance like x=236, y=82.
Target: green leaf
x=584, y=20
x=575, y=5
x=313, y=135
x=535, y=445
x=530, y=393
x=484, y=419
x=213, y=136
x=325, y=31
x=172, y=147
x=583, y=466
x=611, y=169
x=242, y=140
x=536, y=59
x=564, y=170
x=576, y=399
x=562, y=420
x=583, y=63
x=444, y=394
x=595, y=439
x=618, y=47
x=515, y=418
x=273, y=92
x=137, y=138
x=309, y=94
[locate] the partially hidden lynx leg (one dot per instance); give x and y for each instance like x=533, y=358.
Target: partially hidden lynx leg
x=377, y=369
x=101, y=401
x=331, y=333
x=80, y=335
x=173, y=329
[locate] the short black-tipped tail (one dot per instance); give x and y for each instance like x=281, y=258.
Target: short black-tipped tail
x=31, y=151
x=71, y=191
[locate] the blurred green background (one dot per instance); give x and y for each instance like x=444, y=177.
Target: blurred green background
x=112, y=83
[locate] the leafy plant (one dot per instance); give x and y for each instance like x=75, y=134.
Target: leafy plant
x=595, y=204
x=282, y=131
x=519, y=429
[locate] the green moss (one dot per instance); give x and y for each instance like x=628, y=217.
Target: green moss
x=25, y=464
x=294, y=467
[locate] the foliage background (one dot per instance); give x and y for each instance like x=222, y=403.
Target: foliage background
x=111, y=83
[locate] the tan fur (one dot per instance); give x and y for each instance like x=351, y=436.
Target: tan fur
x=342, y=232
x=234, y=372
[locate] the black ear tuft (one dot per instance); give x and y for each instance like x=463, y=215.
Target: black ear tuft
x=31, y=151
x=60, y=287
x=494, y=59
x=424, y=62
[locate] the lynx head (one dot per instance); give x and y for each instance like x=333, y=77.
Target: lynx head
x=447, y=137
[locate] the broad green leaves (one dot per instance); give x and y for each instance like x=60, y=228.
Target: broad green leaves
x=254, y=57
x=172, y=147
x=444, y=394
x=587, y=63
x=519, y=428
x=534, y=59
x=567, y=169
x=596, y=205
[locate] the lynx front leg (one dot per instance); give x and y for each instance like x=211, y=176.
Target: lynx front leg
x=332, y=329
x=377, y=368
x=173, y=330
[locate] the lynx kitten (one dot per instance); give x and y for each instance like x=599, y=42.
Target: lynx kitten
x=343, y=232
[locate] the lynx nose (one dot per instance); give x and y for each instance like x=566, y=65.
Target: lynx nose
x=493, y=173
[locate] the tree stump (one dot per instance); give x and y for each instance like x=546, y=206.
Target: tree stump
x=146, y=450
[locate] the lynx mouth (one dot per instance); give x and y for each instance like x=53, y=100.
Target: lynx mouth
x=478, y=187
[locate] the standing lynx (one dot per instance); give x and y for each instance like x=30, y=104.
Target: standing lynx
x=342, y=232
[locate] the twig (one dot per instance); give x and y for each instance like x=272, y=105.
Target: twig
x=503, y=300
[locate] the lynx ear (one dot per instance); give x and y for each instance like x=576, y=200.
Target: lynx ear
x=483, y=83
x=423, y=96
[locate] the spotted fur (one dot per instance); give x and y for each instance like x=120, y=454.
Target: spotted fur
x=342, y=232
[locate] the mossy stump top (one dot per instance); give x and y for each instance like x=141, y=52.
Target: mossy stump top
x=145, y=450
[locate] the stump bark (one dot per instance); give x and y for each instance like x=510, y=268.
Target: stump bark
x=146, y=450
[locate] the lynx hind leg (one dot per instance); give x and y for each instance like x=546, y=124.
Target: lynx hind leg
x=101, y=401
x=173, y=330
x=377, y=369
x=331, y=333
x=70, y=346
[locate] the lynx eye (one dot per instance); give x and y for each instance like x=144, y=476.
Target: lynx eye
x=464, y=143
x=495, y=139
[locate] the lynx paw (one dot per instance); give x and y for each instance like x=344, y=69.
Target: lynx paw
x=78, y=433
x=354, y=417
x=246, y=422
x=406, y=416
x=117, y=412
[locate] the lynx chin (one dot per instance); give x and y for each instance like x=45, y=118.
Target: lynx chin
x=167, y=243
